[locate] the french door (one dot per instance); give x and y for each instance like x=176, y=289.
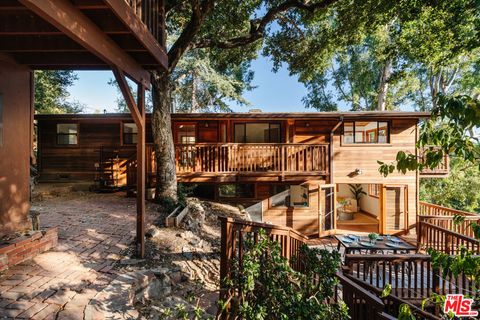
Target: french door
x=327, y=219
x=394, y=208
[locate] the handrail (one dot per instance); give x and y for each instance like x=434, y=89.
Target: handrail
x=392, y=301
x=443, y=167
x=252, y=158
x=444, y=240
x=430, y=209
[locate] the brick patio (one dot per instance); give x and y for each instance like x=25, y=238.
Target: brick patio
x=93, y=229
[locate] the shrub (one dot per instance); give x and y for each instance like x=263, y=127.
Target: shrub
x=270, y=289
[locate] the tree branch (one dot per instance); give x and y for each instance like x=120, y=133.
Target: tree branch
x=184, y=41
x=258, y=26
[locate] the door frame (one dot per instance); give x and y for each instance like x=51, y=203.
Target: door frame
x=333, y=230
x=383, y=208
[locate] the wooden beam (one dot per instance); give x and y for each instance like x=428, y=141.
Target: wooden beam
x=137, y=109
x=71, y=21
x=141, y=173
x=138, y=28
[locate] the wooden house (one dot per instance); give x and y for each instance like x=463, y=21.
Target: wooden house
x=125, y=36
x=292, y=169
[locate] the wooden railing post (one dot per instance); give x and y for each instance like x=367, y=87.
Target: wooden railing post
x=226, y=253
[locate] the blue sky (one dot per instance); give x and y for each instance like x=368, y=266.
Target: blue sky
x=274, y=92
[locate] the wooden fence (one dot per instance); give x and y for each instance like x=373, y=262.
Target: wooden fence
x=252, y=158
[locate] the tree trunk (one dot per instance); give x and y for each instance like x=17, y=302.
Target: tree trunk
x=166, y=187
x=383, y=86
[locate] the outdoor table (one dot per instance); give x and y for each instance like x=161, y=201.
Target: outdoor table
x=382, y=244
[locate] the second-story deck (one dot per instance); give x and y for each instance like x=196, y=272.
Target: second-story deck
x=234, y=161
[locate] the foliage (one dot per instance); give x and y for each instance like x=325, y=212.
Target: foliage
x=51, y=92
x=270, y=289
x=451, y=130
x=460, y=190
x=342, y=54
x=357, y=191
x=121, y=106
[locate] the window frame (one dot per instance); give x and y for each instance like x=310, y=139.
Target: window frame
x=376, y=131
x=57, y=134
x=177, y=131
x=124, y=133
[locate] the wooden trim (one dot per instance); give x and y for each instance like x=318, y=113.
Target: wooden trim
x=122, y=140
x=141, y=168
x=72, y=22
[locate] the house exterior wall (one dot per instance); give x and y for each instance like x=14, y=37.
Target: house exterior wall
x=347, y=158
x=15, y=89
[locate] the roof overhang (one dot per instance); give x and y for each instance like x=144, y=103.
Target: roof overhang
x=261, y=116
x=79, y=35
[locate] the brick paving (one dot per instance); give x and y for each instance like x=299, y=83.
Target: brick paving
x=59, y=284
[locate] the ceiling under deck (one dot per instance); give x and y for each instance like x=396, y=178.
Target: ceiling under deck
x=34, y=42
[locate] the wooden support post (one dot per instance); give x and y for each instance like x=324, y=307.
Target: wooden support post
x=141, y=173
x=137, y=110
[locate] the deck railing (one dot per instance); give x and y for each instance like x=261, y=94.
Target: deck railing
x=412, y=277
x=149, y=11
x=441, y=239
x=442, y=169
x=225, y=158
x=429, y=209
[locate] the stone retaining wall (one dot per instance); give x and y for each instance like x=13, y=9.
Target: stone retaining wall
x=27, y=247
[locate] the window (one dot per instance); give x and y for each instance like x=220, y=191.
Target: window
x=1, y=120
x=129, y=133
x=257, y=132
x=236, y=191
x=374, y=190
x=279, y=195
x=67, y=133
x=186, y=134
x=299, y=196
x=365, y=132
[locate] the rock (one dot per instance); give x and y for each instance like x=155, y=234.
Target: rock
x=157, y=289
x=126, y=262
x=195, y=217
x=160, y=271
x=152, y=232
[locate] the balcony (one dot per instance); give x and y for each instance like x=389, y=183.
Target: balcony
x=278, y=161
x=442, y=170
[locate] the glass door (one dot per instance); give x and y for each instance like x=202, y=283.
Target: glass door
x=328, y=211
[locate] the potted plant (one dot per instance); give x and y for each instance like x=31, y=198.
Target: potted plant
x=357, y=192
x=373, y=237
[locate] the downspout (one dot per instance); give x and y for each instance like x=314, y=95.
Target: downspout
x=340, y=122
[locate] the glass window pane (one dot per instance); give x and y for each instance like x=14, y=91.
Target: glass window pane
x=257, y=133
x=299, y=196
x=275, y=133
x=383, y=132
x=348, y=132
x=279, y=195
x=67, y=128
x=130, y=128
x=239, y=133
x=186, y=134
x=227, y=190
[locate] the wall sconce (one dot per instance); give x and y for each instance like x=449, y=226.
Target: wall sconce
x=206, y=124
x=355, y=173
x=307, y=124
